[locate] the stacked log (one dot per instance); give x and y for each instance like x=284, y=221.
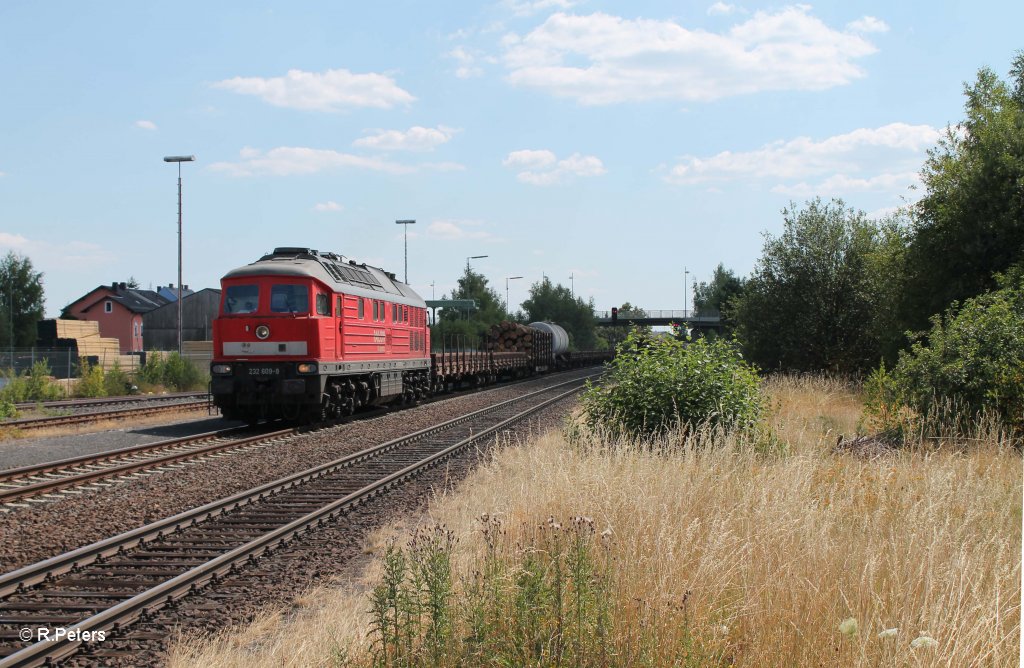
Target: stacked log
x=509, y=337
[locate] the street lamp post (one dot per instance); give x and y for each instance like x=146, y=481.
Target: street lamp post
x=507, y=279
x=179, y=159
x=685, y=290
x=572, y=285
x=405, y=227
x=474, y=257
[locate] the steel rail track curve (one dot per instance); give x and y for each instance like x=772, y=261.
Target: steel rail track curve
x=187, y=551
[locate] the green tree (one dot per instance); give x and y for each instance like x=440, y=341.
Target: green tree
x=557, y=304
x=971, y=362
x=812, y=301
x=970, y=223
x=468, y=326
x=715, y=296
x=22, y=297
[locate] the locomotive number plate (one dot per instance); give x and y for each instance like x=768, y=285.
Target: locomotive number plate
x=265, y=371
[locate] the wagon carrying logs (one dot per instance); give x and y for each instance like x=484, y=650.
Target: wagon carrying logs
x=510, y=337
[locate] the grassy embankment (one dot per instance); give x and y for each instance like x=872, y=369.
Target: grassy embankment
x=709, y=554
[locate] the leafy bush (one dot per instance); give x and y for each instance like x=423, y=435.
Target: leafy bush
x=116, y=382
x=36, y=385
x=90, y=380
x=970, y=364
x=7, y=409
x=171, y=371
x=657, y=383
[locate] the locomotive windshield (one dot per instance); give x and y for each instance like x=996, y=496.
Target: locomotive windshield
x=241, y=299
x=289, y=299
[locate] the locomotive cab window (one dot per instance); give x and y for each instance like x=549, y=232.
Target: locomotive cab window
x=289, y=299
x=323, y=304
x=241, y=298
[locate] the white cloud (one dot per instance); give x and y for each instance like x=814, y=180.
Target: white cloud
x=329, y=205
x=802, y=157
x=543, y=168
x=531, y=7
x=868, y=24
x=455, y=230
x=605, y=59
x=12, y=241
x=290, y=160
x=470, y=61
x=841, y=183
x=145, y=125
x=50, y=257
x=467, y=59
x=866, y=159
x=333, y=90
x=721, y=8
x=416, y=138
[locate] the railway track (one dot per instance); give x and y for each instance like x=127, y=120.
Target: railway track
x=107, y=585
x=48, y=480
x=89, y=404
x=40, y=423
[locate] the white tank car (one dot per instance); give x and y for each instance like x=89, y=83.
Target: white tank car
x=559, y=339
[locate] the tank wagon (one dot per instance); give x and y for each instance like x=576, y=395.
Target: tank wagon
x=307, y=335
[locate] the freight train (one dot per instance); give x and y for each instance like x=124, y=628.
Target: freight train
x=305, y=335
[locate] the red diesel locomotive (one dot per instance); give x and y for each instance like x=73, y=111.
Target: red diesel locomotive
x=304, y=335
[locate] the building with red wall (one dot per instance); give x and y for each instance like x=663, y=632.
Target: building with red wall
x=118, y=309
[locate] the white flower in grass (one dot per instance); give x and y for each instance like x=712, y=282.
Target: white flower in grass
x=848, y=627
x=924, y=641
x=889, y=633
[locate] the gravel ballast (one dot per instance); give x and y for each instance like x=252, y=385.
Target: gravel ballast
x=40, y=531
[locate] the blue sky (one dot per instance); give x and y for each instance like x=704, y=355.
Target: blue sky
x=614, y=142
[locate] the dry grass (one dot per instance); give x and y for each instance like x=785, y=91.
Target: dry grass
x=771, y=552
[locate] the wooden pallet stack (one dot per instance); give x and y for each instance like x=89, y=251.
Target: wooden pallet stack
x=509, y=337
x=83, y=336
x=199, y=353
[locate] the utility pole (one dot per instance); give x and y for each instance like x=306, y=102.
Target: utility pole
x=685, y=290
x=179, y=159
x=572, y=286
x=405, y=226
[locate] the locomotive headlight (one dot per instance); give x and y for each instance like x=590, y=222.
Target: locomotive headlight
x=306, y=367
x=262, y=332
x=221, y=368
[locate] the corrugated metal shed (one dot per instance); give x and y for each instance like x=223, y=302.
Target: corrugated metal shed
x=160, y=326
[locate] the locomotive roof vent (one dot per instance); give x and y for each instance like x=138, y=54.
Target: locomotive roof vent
x=294, y=250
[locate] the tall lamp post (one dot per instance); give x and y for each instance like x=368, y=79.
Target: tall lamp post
x=474, y=257
x=685, y=290
x=179, y=159
x=507, y=279
x=405, y=227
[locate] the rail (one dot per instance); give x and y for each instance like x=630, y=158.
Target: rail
x=437, y=449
